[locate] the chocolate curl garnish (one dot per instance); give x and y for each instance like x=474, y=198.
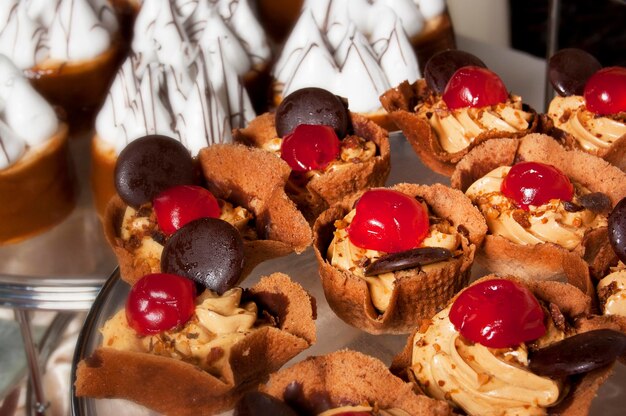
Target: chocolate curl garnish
x=407, y=260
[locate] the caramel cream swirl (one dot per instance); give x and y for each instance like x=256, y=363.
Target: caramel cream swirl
x=363, y=408
x=456, y=129
x=481, y=380
x=346, y=256
x=592, y=132
x=612, y=293
x=205, y=340
x=548, y=223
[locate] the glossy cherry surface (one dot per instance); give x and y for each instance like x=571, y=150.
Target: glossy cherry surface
x=389, y=221
x=605, y=91
x=182, y=204
x=534, y=183
x=473, y=86
x=158, y=302
x=310, y=147
x=498, y=313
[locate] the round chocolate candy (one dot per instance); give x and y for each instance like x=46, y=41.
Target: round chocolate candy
x=407, y=259
x=150, y=165
x=442, y=65
x=569, y=69
x=312, y=106
x=255, y=403
x=617, y=229
x=208, y=251
x=578, y=354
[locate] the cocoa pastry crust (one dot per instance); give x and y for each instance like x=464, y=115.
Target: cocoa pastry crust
x=330, y=187
x=546, y=261
x=101, y=175
x=38, y=191
x=175, y=387
x=400, y=102
x=248, y=177
x=577, y=307
x=417, y=294
x=615, y=154
x=350, y=377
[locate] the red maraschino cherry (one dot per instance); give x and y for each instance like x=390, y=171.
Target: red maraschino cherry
x=388, y=221
x=534, y=183
x=498, y=313
x=473, y=86
x=182, y=204
x=310, y=147
x=158, y=302
x=605, y=91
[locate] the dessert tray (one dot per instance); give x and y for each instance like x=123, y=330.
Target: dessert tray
x=332, y=333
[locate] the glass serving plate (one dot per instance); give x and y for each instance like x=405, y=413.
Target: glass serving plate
x=332, y=333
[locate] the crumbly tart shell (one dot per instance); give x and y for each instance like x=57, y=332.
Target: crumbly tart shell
x=400, y=102
x=416, y=294
x=615, y=154
x=330, y=187
x=175, y=387
x=248, y=177
x=546, y=261
x=38, y=191
x=352, y=377
x=576, y=307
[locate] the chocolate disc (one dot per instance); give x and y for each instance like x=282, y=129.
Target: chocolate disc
x=255, y=403
x=208, y=251
x=617, y=229
x=569, y=69
x=312, y=106
x=407, y=260
x=596, y=202
x=150, y=165
x=578, y=354
x=442, y=65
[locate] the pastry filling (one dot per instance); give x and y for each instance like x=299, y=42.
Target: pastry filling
x=592, y=132
x=555, y=222
x=218, y=323
x=481, y=380
x=457, y=129
x=612, y=292
x=344, y=255
x=363, y=408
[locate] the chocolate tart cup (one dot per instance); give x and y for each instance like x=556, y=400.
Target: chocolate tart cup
x=417, y=294
x=175, y=387
x=330, y=187
x=400, y=102
x=437, y=36
x=248, y=177
x=614, y=154
x=38, y=191
x=546, y=261
x=352, y=378
x=576, y=306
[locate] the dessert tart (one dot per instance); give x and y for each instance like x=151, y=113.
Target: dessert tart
x=456, y=106
x=511, y=346
x=36, y=174
x=332, y=152
x=589, y=112
x=145, y=224
x=341, y=383
x=205, y=352
x=353, y=49
x=546, y=208
x=389, y=258
x=196, y=105
x=69, y=49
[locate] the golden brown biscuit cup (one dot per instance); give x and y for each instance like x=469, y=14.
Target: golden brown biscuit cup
x=577, y=307
x=546, y=261
x=400, y=102
x=38, y=191
x=247, y=177
x=175, y=387
x=416, y=295
x=330, y=187
x=352, y=378
x=101, y=176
